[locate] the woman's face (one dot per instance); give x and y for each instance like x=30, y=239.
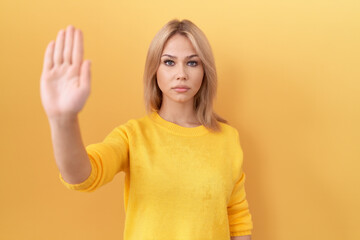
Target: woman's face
x=181, y=72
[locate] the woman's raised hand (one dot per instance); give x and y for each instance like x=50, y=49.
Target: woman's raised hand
x=65, y=79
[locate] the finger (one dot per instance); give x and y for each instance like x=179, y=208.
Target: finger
x=69, y=39
x=59, y=47
x=78, y=52
x=48, y=58
x=85, y=75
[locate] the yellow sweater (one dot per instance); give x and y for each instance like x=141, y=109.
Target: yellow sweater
x=180, y=183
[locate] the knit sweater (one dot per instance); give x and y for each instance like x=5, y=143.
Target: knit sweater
x=180, y=183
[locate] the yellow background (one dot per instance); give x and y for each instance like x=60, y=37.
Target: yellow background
x=289, y=75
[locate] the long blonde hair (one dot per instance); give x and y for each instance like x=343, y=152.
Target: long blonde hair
x=203, y=100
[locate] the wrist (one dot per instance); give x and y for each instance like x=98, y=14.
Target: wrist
x=63, y=120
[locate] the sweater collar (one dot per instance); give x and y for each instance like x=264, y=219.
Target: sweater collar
x=177, y=129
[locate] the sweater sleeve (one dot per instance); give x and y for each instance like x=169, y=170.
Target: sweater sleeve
x=240, y=220
x=107, y=158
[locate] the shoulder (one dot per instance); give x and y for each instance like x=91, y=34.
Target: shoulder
x=228, y=129
x=230, y=133
x=134, y=125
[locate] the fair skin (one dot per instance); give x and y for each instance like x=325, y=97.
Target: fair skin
x=247, y=237
x=179, y=77
x=65, y=87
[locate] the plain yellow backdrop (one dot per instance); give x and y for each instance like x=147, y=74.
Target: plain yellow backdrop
x=289, y=75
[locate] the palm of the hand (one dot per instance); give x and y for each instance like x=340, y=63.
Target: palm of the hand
x=61, y=92
x=65, y=80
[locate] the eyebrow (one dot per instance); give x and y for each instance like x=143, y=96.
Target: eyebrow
x=170, y=56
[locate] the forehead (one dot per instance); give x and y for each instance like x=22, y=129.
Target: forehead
x=179, y=45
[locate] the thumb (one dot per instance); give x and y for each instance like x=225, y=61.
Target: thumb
x=85, y=74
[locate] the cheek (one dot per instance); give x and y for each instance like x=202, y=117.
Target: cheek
x=199, y=77
x=160, y=73
x=160, y=79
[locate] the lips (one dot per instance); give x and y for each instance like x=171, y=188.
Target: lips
x=181, y=87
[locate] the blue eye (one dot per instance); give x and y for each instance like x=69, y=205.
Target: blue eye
x=192, y=63
x=169, y=62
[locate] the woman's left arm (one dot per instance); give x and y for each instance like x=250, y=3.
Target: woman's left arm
x=247, y=237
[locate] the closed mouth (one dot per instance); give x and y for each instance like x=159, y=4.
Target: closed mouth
x=181, y=87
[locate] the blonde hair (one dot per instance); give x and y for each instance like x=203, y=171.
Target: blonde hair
x=203, y=100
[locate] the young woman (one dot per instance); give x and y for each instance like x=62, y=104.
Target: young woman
x=182, y=162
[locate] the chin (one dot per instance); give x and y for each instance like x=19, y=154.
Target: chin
x=181, y=99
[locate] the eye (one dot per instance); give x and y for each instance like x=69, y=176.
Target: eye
x=169, y=62
x=192, y=63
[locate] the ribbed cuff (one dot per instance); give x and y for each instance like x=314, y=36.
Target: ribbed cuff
x=86, y=184
x=242, y=233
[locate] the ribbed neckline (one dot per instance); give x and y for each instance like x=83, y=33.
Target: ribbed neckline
x=177, y=129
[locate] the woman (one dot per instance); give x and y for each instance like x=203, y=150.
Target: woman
x=182, y=162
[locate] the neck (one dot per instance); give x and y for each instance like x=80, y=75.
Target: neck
x=182, y=114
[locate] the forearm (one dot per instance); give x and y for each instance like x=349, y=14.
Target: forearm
x=70, y=154
x=247, y=237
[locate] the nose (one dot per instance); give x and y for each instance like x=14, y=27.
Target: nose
x=181, y=73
